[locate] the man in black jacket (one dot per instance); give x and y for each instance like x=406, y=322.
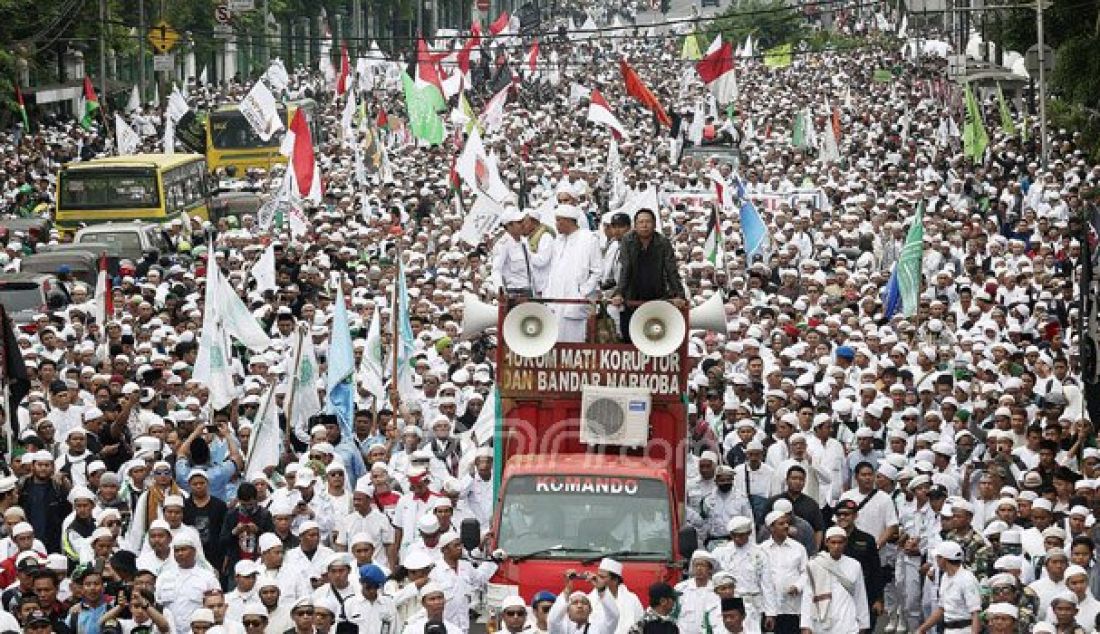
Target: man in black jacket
x=45, y=500
x=648, y=269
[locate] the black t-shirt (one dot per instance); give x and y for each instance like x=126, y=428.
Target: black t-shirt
x=207, y=520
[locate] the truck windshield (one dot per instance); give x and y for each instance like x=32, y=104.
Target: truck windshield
x=572, y=515
x=229, y=130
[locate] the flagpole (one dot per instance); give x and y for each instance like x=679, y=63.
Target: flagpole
x=395, y=342
x=293, y=392
x=260, y=418
x=5, y=379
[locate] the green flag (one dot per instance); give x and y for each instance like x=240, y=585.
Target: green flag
x=424, y=121
x=798, y=131
x=975, y=138
x=778, y=57
x=1006, y=116
x=690, y=49
x=909, y=265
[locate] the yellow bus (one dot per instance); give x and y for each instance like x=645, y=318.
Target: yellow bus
x=230, y=140
x=150, y=187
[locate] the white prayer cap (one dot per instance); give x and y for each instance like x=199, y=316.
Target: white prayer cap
x=1004, y=609
x=612, y=566
x=835, y=531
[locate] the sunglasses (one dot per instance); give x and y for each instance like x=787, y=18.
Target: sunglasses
x=515, y=613
x=248, y=623
x=162, y=472
x=304, y=613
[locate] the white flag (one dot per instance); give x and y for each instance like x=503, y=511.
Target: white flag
x=483, y=217
x=371, y=372
x=126, y=140
x=238, y=321
x=260, y=110
x=202, y=77
x=277, y=76
x=177, y=105
x=265, y=443
x=263, y=271
x=347, y=119
x=135, y=100
x=169, y=136
x=212, y=365
x=478, y=170
x=303, y=400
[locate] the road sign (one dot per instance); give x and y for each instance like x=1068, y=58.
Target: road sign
x=1031, y=60
x=222, y=14
x=163, y=37
x=482, y=5
x=164, y=62
x=240, y=6
x=222, y=31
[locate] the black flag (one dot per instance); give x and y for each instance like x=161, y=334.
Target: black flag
x=13, y=372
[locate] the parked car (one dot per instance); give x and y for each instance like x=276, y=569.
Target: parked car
x=83, y=266
x=37, y=228
x=25, y=294
x=130, y=240
x=96, y=249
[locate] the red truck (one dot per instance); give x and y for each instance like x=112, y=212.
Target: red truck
x=593, y=455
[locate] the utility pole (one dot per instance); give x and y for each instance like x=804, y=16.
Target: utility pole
x=103, y=52
x=141, y=49
x=1043, y=137
x=264, y=46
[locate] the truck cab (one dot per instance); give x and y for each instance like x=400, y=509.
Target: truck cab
x=592, y=452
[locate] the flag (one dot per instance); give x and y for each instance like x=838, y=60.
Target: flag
x=203, y=77
x=891, y=296
x=753, y=231
x=347, y=119
x=778, y=57
x=637, y=89
x=169, y=136
x=975, y=138
x=22, y=106
x=237, y=321
x=91, y=104
x=303, y=164
x=690, y=50
x=212, y=365
x=499, y=25
x=265, y=443
x=600, y=112
x=126, y=140
x=798, y=130
x=302, y=400
x=342, y=83
x=177, y=105
x=263, y=271
x=1007, y=124
x=13, y=373
x=908, y=268
x=468, y=49
x=340, y=375
x=717, y=72
x=424, y=122
x=372, y=372
x=104, y=296
x=261, y=111
x=715, y=246
x=405, y=346
x=492, y=116
x=427, y=74
x=478, y=171
x=533, y=56
x=134, y=104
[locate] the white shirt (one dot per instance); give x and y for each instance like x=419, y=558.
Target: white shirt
x=877, y=515
x=847, y=613
x=630, y=608
x=574, y=272
x=375, y=524
x=459, y=584
x=959, y=595
x=695, y=602
x=559, y=621
x=181, y=590
x=373, y=617
x=787, y=565
x=511, y=264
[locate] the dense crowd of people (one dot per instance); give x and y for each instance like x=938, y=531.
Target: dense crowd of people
x=849, y=470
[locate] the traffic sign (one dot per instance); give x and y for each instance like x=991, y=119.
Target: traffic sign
x=482, y=5
x=163, y=37
x=222, y=14
x=1031, y=60
x=164, y=63
x=242, y=6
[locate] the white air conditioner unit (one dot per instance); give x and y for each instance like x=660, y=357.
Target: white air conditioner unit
x=615, y=416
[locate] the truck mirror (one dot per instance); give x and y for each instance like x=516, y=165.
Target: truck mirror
x=687, y=540
x=470, y=532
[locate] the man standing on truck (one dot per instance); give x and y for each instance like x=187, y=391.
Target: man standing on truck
x=572, y=611
x=574, y=273
x=647, y=269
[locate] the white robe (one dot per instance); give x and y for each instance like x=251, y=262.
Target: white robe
x=574, y=274
x=630, y=608
x=846, y=613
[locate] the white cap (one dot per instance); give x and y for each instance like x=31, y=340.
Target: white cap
x=950, y=551
x=1004, y=609
x=513, y=601
x=612, y=566
x=430, y=588
x=836, y=531
x=202, y=615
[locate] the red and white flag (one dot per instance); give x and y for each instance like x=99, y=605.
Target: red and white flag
x=302, y=167
x=104, y=294
x=600, y=112
x=345, y=70
x=717, y=72
x=500, y=25
x=533, y=56
x=427, y=71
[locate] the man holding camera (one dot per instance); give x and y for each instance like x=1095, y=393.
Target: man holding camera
x=572, y=610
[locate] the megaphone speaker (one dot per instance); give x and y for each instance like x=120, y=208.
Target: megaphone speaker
x=477, y=315
x=710, y=315
x=530, y=329
x=657, y=328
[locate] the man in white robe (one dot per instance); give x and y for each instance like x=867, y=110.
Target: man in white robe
x=836, y=600
x=574, y=272
x=609, y=580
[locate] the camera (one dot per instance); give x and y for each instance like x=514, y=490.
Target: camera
x=573, y=576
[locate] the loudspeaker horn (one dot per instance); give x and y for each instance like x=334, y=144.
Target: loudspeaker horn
x=530, y=329
x=657, y=328
x=477, y=316
x=710, y=315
